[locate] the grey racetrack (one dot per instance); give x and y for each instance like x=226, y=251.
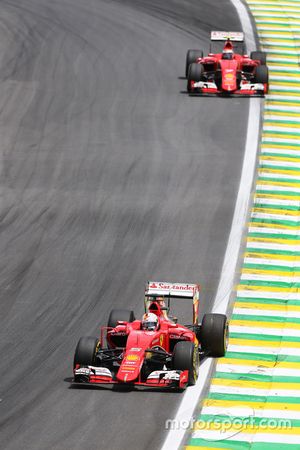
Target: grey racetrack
x=110, y=175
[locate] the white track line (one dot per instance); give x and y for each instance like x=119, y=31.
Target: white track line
x=192, y=394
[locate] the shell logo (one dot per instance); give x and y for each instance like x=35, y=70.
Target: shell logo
x=161, y=340
x=132, y=358
x=229, y=76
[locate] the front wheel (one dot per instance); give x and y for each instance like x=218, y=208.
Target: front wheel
x=195, y=73
x=262, y=75
x=214, y=334
x=186, y=357
x=85, y=352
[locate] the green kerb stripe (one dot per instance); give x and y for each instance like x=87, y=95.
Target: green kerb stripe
x=203, y=444
x=278, y=284
x=268, y=301
x=283, y=207
x=275, y=221
x=266, y=318
x=253, y=398
x=263, y=165
x=260, y=357
x=276, y=179
x=264, y=337
x=286, y=122
x=271, y=267
x=256, y=377
x=278, y=193
x=226, y=444
x=282, y=144
x=287, y=237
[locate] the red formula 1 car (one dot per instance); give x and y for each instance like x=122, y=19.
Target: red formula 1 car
x=153, y=352
x=230, y=72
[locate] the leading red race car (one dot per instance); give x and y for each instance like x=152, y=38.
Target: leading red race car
x=155, y=351
x=227, y=73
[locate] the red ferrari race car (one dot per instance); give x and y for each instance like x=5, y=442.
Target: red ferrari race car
x=230, y=72
x=153, y=352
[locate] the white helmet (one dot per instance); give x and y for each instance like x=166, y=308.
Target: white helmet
x=149, y=322
x=227, y=53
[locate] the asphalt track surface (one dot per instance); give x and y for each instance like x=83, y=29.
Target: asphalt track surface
x=110, y=176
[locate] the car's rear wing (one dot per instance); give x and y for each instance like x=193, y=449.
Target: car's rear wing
x=234, y=36
x=175, y=290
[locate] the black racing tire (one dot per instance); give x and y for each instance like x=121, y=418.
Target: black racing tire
x=186, y=357
x=85, y=352
x=259, y=56
x=214, y=334
x=262, y=75
x=195, y=72
x=191, y=57
x=123, y=315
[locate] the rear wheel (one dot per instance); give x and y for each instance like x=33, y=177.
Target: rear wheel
x=123, y=315
x=85, y=352
x=117, y=315
x=186, y=357
x=191, y=57
x=214, y=334
x=259, y=56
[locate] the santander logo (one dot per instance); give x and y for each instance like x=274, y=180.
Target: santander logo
x=169, y=286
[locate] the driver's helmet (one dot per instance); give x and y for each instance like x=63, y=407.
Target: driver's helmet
x=227, y=53
x=150, y=322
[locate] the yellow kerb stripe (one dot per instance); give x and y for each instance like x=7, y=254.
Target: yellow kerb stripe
x=268, y=306
x=278, y=273
x=279, y=226
x=202, y=447
x=284, y=83
x=283, y=146
x=270, y=344
x=286, y=212
x=269, y=114
x=242, y=427
x=272, y=256
x=264, y=324
x=255, y=405
x=294, y=242
x=247, y=287
x=278, y=197
x=280, y=102
x=290, y=65
x=282, y=184
x=273, y=134
x=278, y=171
x=265, y=157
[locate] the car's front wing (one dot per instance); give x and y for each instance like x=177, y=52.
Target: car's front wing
x=209, y=88
x=92, y=375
